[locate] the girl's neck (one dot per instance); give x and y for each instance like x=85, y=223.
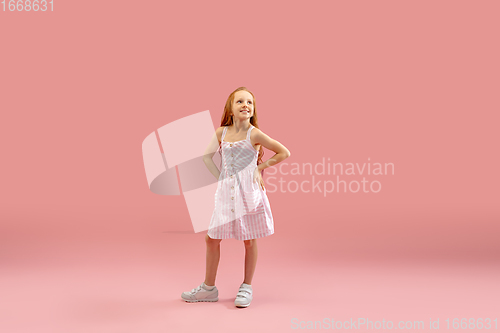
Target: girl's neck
x=241, y=125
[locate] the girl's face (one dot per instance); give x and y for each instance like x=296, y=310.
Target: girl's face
x=242, y=105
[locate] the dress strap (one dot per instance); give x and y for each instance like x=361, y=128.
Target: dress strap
x=250, y=130
x=223, y=133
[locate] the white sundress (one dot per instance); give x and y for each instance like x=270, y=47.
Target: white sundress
x=242, y=210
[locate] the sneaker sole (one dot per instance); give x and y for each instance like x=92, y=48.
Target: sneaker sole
x=242, y=305
x=200, y=300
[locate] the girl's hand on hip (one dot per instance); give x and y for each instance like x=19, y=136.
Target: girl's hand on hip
x=257, y=178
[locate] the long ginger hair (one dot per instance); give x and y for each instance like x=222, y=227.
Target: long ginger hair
x=227, y=120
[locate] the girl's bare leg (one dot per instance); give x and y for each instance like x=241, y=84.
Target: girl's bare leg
x=213, y=256
x=250, y=259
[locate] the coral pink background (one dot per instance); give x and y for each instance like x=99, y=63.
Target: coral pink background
x=85, y=246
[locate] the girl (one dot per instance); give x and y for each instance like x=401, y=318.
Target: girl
x=242, y=209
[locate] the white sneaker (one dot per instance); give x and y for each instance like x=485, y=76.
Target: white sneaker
x=244, y=296
x=200, y=294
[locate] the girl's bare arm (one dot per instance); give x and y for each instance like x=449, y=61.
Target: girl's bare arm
x=259, y=137
x=210, y=151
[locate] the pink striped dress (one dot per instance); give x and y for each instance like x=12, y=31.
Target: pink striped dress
x=242, y=210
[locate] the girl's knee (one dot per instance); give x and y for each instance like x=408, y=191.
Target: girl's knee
x=250, y=242
x=212, y=241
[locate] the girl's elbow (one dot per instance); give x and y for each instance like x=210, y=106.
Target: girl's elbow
x=207, y=160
